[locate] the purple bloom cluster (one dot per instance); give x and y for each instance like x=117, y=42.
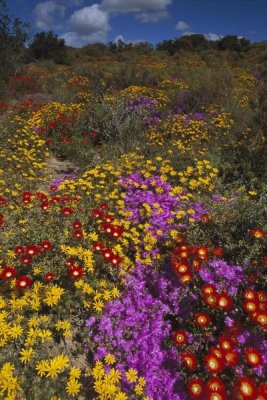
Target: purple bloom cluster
x=58, y=181
x=156, y=195
x=224, y=276
x=134, y=328
x=142, y=102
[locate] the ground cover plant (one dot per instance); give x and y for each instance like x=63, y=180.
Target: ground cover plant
x=137, y=269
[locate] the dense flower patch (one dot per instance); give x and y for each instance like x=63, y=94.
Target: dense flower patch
x=142, y=276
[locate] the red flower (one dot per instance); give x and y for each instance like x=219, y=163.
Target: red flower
x=32, y=250
x=218, y=251
x=108, y=228
x=69, y=263
x=208, y=289
x=180, y=338
x=23, y=282
x=98, y=246
x=253, y=357
x=231, y=358
x=251, y=306
x=1, y=220
x=202, y=320
x=2, y=201
x=211, y=300
x=115, y=260
x=246, y=387
x=8, y=273
x=108, y=218
x=182, y=267
x=205, y=218
x=226, y=343
x=196, y=264
x=117, y=231
x=213, y=364
x=78, y=234
x=262, y=391
x=225, y=301
x=46, y=245
x=49, y=277
x=258, y=233
x=66, y=211
x=196, y=388
x=97, y=213
x=19, y=250
x=250, y=294
x=189, y=360
x=26, y=198
x=26, y=259
x=186, y=278
x=203, y=253
x=104, y=206
x=77, y=224
x=44, y=205
x=76, y=272
x=107, y=253
x=215, y=384
x=215, y=395
x=262, y=319
x=217, y=352
x=53, y=124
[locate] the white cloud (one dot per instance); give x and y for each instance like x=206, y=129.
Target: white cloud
x=89, y=20
x=46, y=12
x=134, y=5
x=182, y=26
x=212, y=36
x=73, y=39
x=188, y=33
x=152, y=16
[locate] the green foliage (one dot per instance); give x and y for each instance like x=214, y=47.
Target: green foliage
x=47, y=46
x=234, y=43
x=13, y=35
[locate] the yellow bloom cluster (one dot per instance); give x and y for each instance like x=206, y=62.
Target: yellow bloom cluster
x=108, y=384
x=22, y=154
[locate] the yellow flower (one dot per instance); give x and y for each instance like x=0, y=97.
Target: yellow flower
x=131, y=375
x=110, y=359
x=138, y=389
x=75, y=372
x=26, y=355
x=121, y=396
x=73, y=387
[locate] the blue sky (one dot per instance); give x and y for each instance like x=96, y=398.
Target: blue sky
x=88, y=21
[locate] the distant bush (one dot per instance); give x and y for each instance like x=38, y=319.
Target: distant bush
x=47, y=46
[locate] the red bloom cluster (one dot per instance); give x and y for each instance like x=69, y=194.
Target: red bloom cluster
x=107, y=253
x=255, y=303
x=74, y=270
x=186, y=259
x=213, y=299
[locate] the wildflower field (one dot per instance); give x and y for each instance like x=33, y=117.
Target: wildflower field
x=133, y=230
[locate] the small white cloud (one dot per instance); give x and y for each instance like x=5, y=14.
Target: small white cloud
x=46, y=12
x=152, y=16
x=120, y=6
x=182, y=26
x=73, y=39
x=212, y=36
x=119, y=38
x=188, y=33
x=89, y=21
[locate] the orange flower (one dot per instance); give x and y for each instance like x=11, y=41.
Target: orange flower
x=258, y=233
